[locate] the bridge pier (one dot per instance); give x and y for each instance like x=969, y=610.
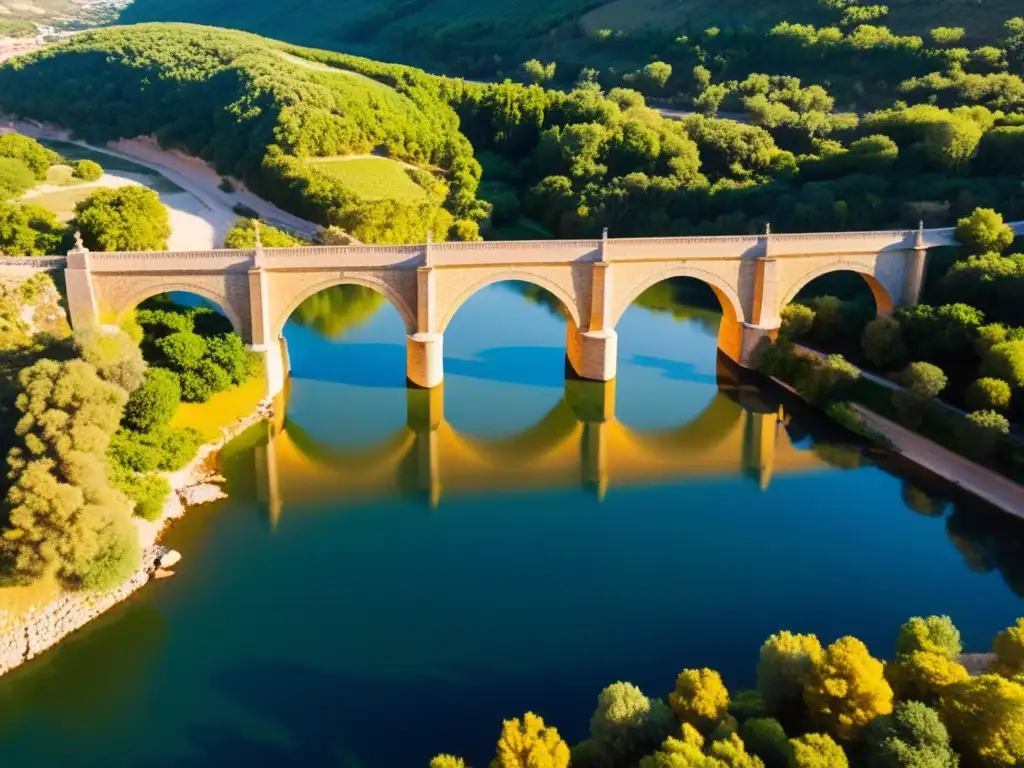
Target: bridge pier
x=424, y=360
x=593, y=355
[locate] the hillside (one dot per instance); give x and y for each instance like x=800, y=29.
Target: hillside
x=491, y=38
x=237, y=101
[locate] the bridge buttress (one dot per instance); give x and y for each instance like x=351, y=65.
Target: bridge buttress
x=83, y=309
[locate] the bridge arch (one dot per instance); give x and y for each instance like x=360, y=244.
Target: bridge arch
x=395, y=298
x=884, y=299
x=567, y=301
x=222, y=302
x=730, y=331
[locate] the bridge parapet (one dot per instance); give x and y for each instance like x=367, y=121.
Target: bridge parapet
x=220, y=260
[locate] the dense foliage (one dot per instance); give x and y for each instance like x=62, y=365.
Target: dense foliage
x=124, y=219
x=843, y=713
x=240, y=102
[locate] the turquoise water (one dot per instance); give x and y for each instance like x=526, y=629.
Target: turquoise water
x=398, y=590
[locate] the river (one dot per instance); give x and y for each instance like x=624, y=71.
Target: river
x=394, y=573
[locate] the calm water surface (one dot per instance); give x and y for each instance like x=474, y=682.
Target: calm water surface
x=394, y=573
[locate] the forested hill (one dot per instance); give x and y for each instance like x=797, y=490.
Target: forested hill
x=858, y=49
x=238, y=101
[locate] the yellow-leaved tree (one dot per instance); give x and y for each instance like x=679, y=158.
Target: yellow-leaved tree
x=846, y=689
x=985, y=718
x=447, y=761
x=700, y=698
x=817, y=750
x=926, y=659
x=1009, y=649
x=528, y=743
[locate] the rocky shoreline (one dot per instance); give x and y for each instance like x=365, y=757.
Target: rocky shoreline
x=43, y=627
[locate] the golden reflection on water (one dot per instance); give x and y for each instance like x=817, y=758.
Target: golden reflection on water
x=578, y=442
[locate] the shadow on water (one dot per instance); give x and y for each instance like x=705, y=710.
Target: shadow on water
x=361, y=365
x=532, y=366
x=673, y=369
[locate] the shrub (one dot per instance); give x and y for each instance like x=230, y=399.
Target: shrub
x=87, y=170
x=846, y=689
x=28, y=151
x=194, y=388
x=162, y=322
x=935, y=634
x=183, y=351
x=725, y=729
x=1005, y=361
x=988, y=394
x=816, y=750
x=228, y=352
x=123, y=219
x=797, y=320
x=153, y=404
x=15, y=178
x=115, y=356
x=528, y=742
x=983, y=715
x=765, y=738
x=148, y=492
x=923, y=380
x=243, y=235
x=882, y=343
x=164, y=450
x=1009, y=650
x=627, y=725
x=826, y=381
x=216, y=377
x=984, y=232
x=913, y=736
x=785, y=659
x=700, y=698
x=746, y=705
x=981, y=433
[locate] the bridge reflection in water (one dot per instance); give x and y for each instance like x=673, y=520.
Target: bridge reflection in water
x=579, y=442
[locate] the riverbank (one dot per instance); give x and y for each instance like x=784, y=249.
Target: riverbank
x=41, y=628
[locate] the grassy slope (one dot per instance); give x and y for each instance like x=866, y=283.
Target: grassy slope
x=374, y=178
x=407, y=30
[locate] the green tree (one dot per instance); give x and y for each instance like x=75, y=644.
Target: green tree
x=987, y=394
x=785, y=659
x=1005, y=361
x=114, y=355
x=817, y=750
x=947, y=35
x=627, y=725
x=124, y=219
x=882, y=343
x=183, y=350
x=243, y=235
x=63, y=516
x=29, y=230
x=983, y=715
x=934, y=634
x=700, y=698
x=766, y=738
x=923, y=380
x=16, y=178
x=153, y=405
x=913, y=736
x=797, y=320
x=981, y=433
x=846, y=689
x=538, y=72
x=984, y=231
x=27, y=151
x=228, y=352
x=657, y=74
x=87, y=170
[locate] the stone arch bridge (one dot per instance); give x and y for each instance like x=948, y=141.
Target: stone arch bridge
x=754, y=277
